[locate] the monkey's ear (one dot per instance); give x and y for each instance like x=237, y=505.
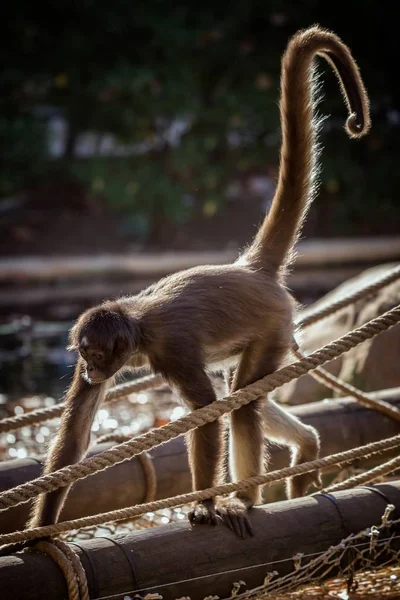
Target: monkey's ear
x=123, y=344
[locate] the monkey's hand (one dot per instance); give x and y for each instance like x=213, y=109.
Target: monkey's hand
x=203, y=513
x=8, y=549
x=234, y=514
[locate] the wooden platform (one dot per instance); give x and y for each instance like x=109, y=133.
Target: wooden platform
x=176, y=561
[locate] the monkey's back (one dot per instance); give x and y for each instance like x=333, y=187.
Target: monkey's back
x=222, y=308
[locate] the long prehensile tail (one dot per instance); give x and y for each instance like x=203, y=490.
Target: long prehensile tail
x=273, y=244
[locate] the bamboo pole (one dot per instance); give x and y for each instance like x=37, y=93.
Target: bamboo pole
x=177, y=561
x=342, y=424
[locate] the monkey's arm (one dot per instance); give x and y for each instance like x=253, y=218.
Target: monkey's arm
x=70, y=445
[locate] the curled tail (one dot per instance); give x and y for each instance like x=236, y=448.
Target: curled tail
x=272, y=246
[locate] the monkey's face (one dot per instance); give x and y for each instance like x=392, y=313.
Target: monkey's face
x=100, y=364
x=105, y=339
x=96, y=364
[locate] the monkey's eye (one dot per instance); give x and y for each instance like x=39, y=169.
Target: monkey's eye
x=83, y=353
x=97, y=356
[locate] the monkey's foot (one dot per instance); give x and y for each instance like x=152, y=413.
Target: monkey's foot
x=234, y=514
x=203, y=513
x=296, y=487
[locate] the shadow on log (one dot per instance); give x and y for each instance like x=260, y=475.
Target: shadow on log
x=342, y=423
x=176, y=561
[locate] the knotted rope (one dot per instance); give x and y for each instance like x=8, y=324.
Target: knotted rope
x=70, y=565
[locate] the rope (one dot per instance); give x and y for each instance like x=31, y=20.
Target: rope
x=336, y=305
x=151, y=381
x=146, y=461
x=70, y=565
x=206, y=414
x=45, y=414
x=384, y=469
x=140, y=509
x=323, y=376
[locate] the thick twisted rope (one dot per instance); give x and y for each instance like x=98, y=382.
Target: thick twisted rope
x=323, y=376
x=182, y=499
x=151, y=381
x=206, y=414
x=45, y=414
x=70, y=565
x=336, y=305
x=368, y=477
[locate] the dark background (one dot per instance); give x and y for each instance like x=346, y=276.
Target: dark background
x=168, y=126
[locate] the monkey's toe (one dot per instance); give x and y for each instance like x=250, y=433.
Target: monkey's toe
x=234, y=514
x=203, y=513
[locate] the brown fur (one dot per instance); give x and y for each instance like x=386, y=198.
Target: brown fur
x=236, y=317
x=82, y=402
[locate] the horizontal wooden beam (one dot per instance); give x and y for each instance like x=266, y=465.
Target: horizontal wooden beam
x=314, y=252
x=91, y=290
x=176, y=561
x=342, y=423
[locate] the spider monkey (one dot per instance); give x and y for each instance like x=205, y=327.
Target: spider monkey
x=236, y=317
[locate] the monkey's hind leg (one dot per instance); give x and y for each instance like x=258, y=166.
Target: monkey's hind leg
x=284, y=428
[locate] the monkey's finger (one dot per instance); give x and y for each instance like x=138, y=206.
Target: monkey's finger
x=240, y=527
x=12, y=548
x=202, y=516
x=248, y=526
x=18, y=546
x=195, y=518
x=210, y=516
x=190, y=515
x=213, y=519
x=233, y=523
x=244, y=526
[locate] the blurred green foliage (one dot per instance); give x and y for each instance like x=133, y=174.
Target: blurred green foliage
x=22, y=151
x=134, y=69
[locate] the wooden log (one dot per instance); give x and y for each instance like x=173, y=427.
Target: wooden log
x=92, y=291
x=310, y=253
x=342, y=423
x=137, y=265
x=175, y=561
x=124, y=484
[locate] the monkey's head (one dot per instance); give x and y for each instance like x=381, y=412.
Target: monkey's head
x=105, y=337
